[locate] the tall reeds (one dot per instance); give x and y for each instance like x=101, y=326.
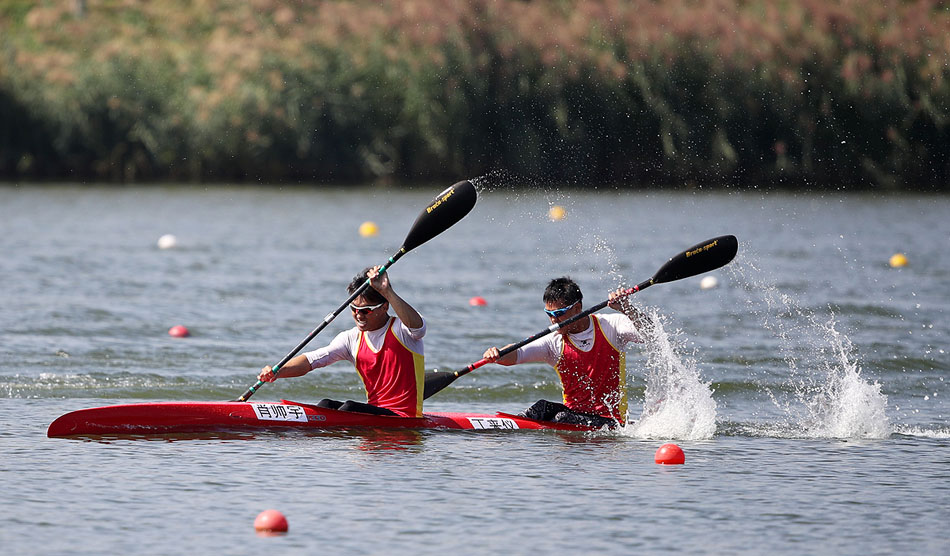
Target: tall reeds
x=839, y=93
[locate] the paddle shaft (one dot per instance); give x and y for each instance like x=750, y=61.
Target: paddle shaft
x=326, y=321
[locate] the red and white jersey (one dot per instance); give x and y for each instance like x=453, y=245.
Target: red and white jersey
x=591, y=364
x=390, y=361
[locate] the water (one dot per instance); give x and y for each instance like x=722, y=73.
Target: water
x=808, y=389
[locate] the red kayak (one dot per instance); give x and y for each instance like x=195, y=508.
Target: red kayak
x=197, y=417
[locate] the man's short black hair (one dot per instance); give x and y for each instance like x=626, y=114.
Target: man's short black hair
x=563, y=290
x=369, y=294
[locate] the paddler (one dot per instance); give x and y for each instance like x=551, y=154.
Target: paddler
x=588, y=356
x=387, y=351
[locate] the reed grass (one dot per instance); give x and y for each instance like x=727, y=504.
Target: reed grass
x=818, y=94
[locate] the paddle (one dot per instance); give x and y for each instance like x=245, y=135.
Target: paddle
x=700, y=258
x=443, y=211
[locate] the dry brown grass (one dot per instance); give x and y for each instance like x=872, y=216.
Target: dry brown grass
x=850, y=91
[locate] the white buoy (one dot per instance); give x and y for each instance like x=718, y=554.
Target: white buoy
x=167, y=241
x=708, y=283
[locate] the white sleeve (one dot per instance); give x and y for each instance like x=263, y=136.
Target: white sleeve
x=414, y=333
x=543, y=350
x=342, y=347
x=410, y=337
x=619, y=329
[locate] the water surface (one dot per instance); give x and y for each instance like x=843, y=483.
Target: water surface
x=808, y=389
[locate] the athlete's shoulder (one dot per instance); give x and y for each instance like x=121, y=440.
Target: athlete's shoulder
x=348, y=334
x=619, y=329
x=613, y=320
x=410, y=337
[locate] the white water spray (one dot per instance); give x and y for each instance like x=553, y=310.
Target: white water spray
x=847, y=406
x=677, y=403
x=828, y=398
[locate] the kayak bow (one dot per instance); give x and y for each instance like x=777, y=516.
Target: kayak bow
x=196, y=417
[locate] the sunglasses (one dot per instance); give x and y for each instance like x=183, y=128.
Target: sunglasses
x=555, y=313
x=367, y=309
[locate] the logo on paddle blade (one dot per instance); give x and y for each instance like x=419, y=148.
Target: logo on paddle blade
x=440, y=200
x=701, y=249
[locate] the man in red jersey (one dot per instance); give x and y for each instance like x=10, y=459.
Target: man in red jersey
x=387, y=351
x=587, y=354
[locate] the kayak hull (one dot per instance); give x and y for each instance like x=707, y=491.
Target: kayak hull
x=198, y=417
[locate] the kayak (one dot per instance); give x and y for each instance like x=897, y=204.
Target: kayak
x=198, y=417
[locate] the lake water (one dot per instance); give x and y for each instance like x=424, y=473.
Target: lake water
x=808, y=389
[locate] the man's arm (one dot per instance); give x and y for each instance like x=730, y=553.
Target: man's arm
x=298, y=366
x=338, y=349
x=406, y=313
x=491, y=355
x=619, y=302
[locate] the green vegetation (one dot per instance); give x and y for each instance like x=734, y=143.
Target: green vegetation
x=816, y=93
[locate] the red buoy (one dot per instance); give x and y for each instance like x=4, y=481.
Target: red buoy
x=178, y=331
x=670, y=454
x=477, y=301
x=270, y=521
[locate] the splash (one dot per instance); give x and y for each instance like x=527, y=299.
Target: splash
x=939, y=433
x=498, y=179
x=677, y=403
x=825, y=394
x=846, y=406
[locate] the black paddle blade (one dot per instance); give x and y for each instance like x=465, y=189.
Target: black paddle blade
x=435, y=382
x=446, y=209
x=700, y=258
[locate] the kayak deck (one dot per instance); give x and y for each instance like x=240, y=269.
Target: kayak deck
x=196, y=417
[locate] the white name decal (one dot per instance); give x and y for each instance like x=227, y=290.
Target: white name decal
x=279, y=412
x=492, y=423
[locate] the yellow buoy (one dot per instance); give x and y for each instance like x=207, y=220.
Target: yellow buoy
x=556, y=213
x=898, y=260
x=368, y=229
